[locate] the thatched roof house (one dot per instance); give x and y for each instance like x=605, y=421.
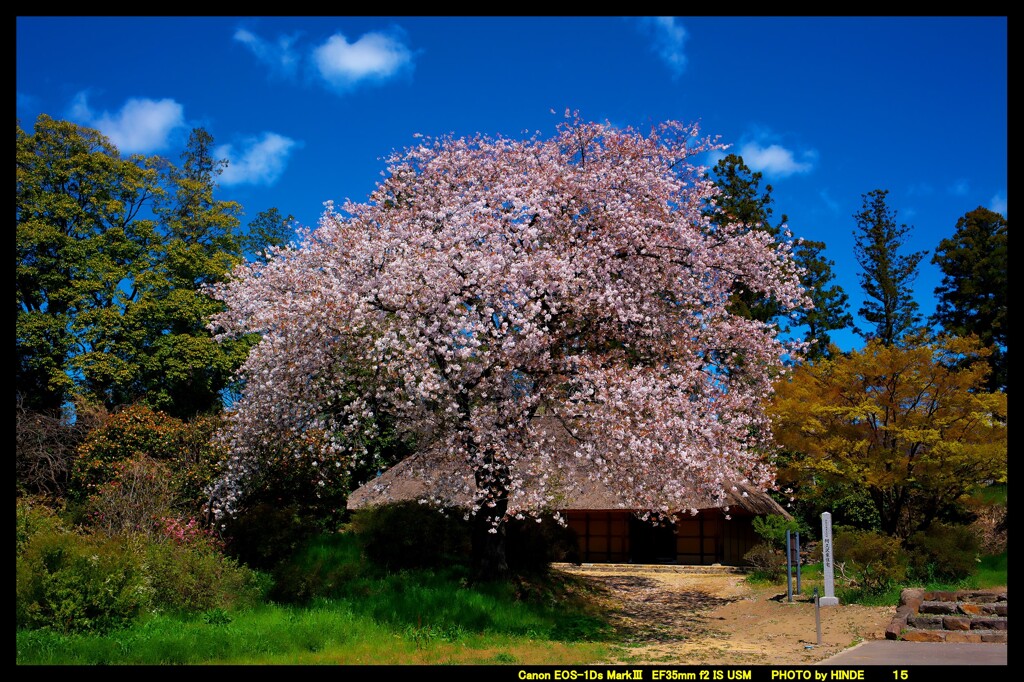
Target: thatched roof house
x=607, y=529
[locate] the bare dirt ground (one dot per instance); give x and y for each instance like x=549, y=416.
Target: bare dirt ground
x=669, y=616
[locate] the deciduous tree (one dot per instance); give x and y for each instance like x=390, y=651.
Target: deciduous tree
x=912, y=426
x=81, y=232
x=111, y=255
x=491, y=291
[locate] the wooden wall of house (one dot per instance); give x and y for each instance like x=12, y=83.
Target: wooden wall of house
x=706, y=538
x=603, y=535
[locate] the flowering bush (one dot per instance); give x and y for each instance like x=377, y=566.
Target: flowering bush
x=185, y=447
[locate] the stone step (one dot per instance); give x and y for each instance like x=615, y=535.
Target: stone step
x=950, y=616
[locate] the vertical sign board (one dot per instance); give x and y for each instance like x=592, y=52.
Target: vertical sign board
x=830, y=598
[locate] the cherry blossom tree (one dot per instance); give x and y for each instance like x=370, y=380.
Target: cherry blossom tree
x=528, y=314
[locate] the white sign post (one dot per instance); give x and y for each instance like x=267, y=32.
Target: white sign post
x=830, y=598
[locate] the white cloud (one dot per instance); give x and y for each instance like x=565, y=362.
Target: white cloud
x=260, y=161
x=668, y=38
x=141, y=126
x=279, y=56
x=374, y=57
x=998, y=204
x=775, y=160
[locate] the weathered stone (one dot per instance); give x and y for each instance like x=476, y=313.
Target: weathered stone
x=937, y=607
x=924, y=636
x=978, y=597
x=896, y=626
x=963, y=637
x=912, y=598
x=988, y=624
x=998, y=609
x=925, y=622
x=994, y=637
x=970, y=609
x=956, y=623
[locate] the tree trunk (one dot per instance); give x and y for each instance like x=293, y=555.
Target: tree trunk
x=489, y=525
x=488, y=558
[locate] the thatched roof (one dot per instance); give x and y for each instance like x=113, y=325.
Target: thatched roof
x=409, y=480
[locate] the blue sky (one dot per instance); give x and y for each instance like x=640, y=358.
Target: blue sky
x=304, y=108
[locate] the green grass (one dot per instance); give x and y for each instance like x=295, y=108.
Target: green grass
x=991, y=494
x=348, y=612
x=352, y=613
x=991, y=573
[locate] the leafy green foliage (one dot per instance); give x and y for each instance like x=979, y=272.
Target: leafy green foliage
x=943, y=553
x=873, y=561
x=974, y=293
x=887, y=276
x=911, y=427
x=410, y=535
x=269, y=228
x=75, y=583
x=80, y=235
x=773, y=528
x=186, y=448
x=830, y=303
x=742, y=200
x=34, y=517
x=112, y=257
x=192, y=575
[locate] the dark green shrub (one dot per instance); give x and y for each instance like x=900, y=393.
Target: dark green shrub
x=944, y=553
x=290, y=500
x=768, y=562
x=410, y=535
x=79, y=583
x=322, y=568
x=264, y=535
x=772, y=528
x=868, y=560
x=531, y=546
x=186, y=447
x=195, y=576
x=33, y=516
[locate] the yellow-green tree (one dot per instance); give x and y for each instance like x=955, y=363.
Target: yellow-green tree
x=913, y=427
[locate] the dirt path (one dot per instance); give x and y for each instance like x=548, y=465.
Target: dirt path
x=670, y=616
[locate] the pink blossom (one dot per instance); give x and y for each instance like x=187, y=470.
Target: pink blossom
x=491, y=287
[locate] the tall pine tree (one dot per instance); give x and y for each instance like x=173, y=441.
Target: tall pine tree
x=742, y=200
x=887, y=276
x=972, y=298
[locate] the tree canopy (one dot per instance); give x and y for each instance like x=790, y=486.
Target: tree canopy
x=912, y=426
x=112, y=254
x=493, y=291
x=742, y=202
x=887, y=275
x=973, y=295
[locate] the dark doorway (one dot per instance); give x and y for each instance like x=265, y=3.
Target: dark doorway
x=652, y=544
